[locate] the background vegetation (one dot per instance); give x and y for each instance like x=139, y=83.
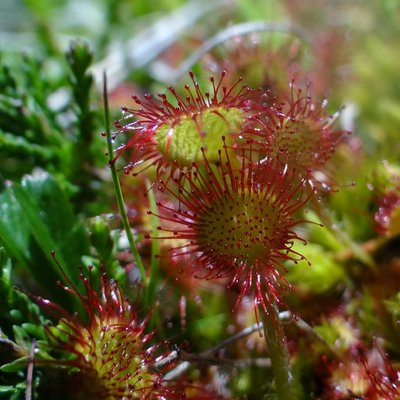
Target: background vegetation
x=56, y=191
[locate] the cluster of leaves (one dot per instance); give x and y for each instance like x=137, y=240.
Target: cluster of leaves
x=51, y=148
x=55, y=190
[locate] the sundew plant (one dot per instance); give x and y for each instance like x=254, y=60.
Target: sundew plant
x=200, y=200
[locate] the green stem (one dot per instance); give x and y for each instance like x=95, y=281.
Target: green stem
x=278, y=352
x=118, y=190
x=155, y=249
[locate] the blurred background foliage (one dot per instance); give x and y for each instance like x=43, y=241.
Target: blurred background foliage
x=55, y=187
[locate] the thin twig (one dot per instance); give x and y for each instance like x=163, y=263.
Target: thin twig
x=174, y=75
x=229, y=362
x=188, y=358
x=124, y=57
x=29, y=373
x=165, y=360
x=177, y=371
x=370, y=246
x=301, y=324
x=175, y=354
x=237, y=336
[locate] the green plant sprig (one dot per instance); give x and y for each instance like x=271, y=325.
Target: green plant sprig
x=118, y=189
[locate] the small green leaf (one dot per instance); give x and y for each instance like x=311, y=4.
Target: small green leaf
x=33, y=329
x=16, y=365
x=7, y=390
x=20, y=335
x=16, y=315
